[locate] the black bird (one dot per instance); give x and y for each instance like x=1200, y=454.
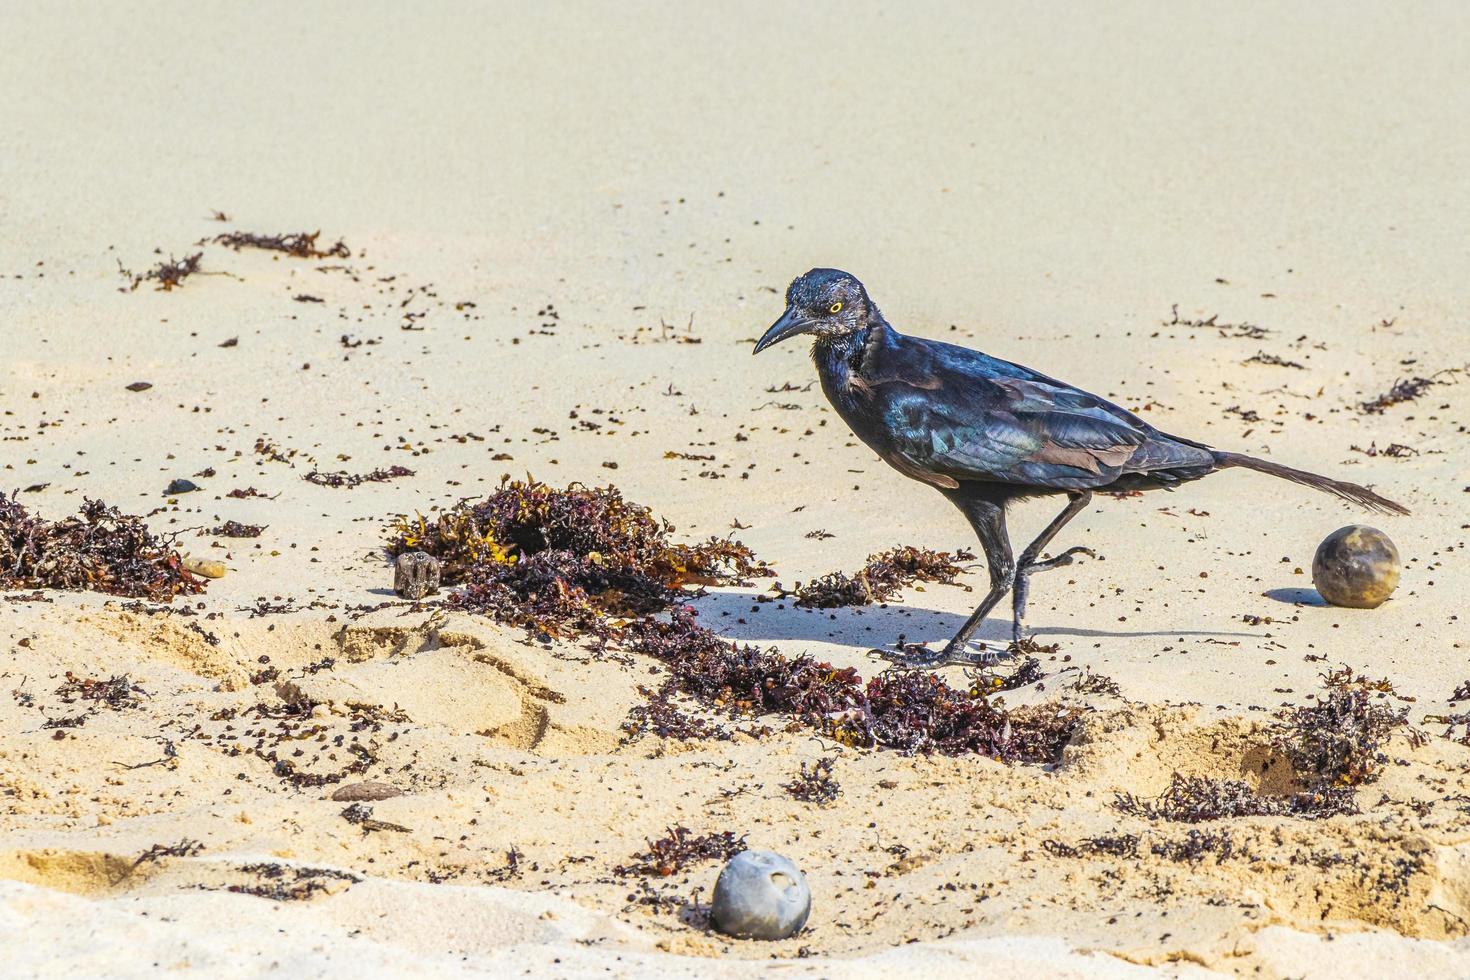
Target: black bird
x=985, y=432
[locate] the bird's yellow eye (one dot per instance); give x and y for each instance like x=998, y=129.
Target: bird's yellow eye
x=835, y=308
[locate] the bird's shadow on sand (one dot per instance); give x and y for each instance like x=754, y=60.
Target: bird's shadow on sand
x=741, y=617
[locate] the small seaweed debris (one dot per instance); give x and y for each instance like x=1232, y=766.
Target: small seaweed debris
x=1336, y=742
x=659, y=715
x=117, y=692
x=167, y=274
x=508, y=871
x=234, y=529
x=1090, y=683
x=1403, y=390
x=300, y=244
x=1261, y=357
x=344, y=480
x=1193, y=847
x=286, y=883
x=1394, y=450
x=679, y=848
x=1028, y=671
x=1461, y=693
x=102, y=550
x=1249, y=331
x=814, y=784
x=362, y=815
x=1192, y=799
x=184, y=848
x=882, y=578
x=1116, y=845
x=562, y=561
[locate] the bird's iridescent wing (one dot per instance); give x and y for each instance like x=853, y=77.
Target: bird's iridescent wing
x=954, y=414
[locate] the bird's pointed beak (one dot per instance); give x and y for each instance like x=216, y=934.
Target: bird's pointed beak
x=790, y=324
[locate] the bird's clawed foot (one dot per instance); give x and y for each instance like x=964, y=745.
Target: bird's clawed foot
x=1065, y=558
x=915, y=656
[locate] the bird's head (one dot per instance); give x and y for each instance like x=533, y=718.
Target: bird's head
x=825, y=302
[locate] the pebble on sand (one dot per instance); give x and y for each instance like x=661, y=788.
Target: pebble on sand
x=1356, y=566
x=207, y=567
x=760, y=895
x=368, y=791
x=415, y=575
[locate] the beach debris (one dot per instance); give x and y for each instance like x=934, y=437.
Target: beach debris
x=365, y=792
x=180, y=486
x=207, y=567
x=911, y=711
x=679, y=848
x=1356, y=566
x=117, y=692
x=167, y=274
x=140, y=386
x=102, y=551
x=362, y=815
x=760, y=895
x=1111, y=845
x=344, y=480
x=234, y=529
x=659, y=715
x=814, y=784
x=564, y=562
x=1261, y=357
x=1394, y=450
x=1246, y=330
x=1193, y=846
x=248, y=492
x=186, y=847
x=1403, y=390
x=1337, y=741
x=1192, y=799
x=415, y=575
x=291, y=883
x=1092, y=683
x=300, y=244
x=882, y=578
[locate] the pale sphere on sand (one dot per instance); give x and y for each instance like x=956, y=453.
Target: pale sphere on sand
x=1356, y=566
x=760, y=895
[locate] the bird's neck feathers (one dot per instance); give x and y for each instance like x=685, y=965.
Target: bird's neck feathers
x=839, y=357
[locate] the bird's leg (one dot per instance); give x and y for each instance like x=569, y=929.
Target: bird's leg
x=989, y=521
x=1028, y=562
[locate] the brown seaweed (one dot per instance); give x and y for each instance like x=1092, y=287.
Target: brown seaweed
x=300, y=244
x=102, y=551
x=882, y=578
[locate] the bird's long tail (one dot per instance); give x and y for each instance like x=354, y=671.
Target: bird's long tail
x=1350, y=492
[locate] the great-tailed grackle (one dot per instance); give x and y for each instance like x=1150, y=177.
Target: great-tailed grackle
x=985, y=432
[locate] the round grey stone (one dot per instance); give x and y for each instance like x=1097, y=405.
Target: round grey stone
x=760, y=895
x=1356, y=566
